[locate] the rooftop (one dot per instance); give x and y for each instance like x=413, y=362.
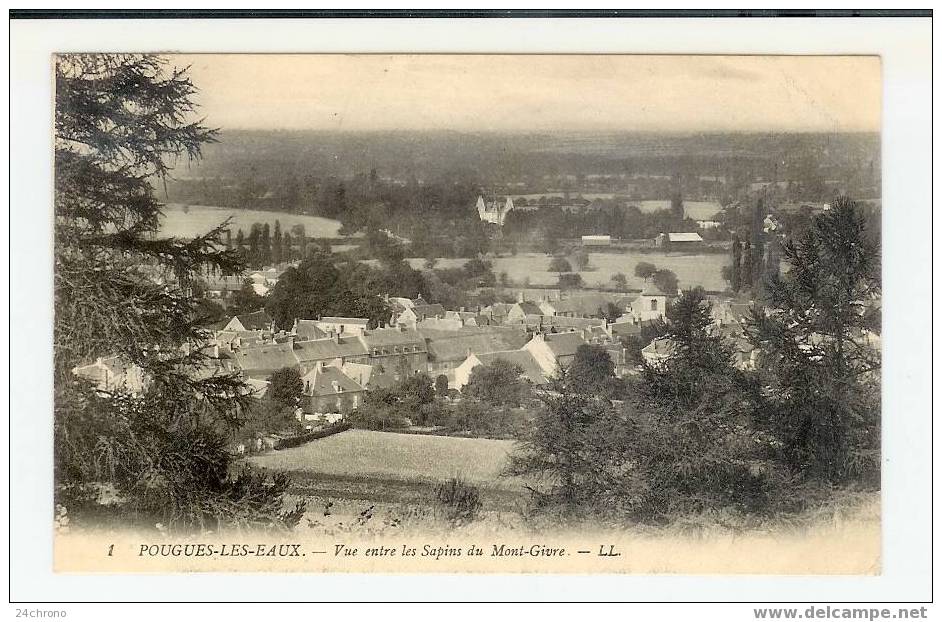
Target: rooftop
x=531, y=370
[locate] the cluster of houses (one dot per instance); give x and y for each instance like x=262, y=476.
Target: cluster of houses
x=339, y=359
x=261, y=281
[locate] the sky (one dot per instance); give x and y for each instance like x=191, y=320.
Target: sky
x=538, y=93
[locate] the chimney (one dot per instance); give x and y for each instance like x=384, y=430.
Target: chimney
x=336, y=337
x=319, y=366
x=520, y=297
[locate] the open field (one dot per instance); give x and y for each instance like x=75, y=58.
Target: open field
x=198, y=219
x=692, y=269
x=387, y=455
x=698, y=210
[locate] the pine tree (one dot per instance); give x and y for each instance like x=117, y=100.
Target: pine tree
x=120, y=289
x=287, y=254
x=276, y=252
x=265, y=245
x=746, y=276
x=735, y=280
x=821, y=372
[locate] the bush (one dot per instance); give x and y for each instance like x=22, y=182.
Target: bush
x=460, y=500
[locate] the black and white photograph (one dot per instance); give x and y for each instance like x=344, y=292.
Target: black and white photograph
x=393, y=312
x=417, y=294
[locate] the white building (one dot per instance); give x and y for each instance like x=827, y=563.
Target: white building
x=493, y=212
x=596, y=240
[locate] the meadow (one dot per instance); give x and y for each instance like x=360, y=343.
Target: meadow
x=198, y=219
x=387, y=455
x=691, y=269
x=698, y=210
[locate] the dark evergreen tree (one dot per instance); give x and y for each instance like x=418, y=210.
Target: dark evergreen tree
x=265, y=245
x=121, y=120
x=591, y=370
x=747, y=263
x=821, y=371
x=285, y=387
x=735, y=278
x=276, y=244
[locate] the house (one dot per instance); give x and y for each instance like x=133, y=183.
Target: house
x=678, y=241
x=411, y=317
x=596, y=240
x=401, y=350
x=651, y=304
x=450, y=324
x=497, y=312
x=530, y=368
x=519, y=311
x=257, y=388
x=342, y=325
x=465, y=318
x=222, y=287
x=305, y=330
x=554, y=350
x=493, y=212
x=327, y=389
x=559, y=323
x=260, y=362
x=622, y=329
x=232, y=340
x=585, y=305
x=446, y=353
x=113, y=373
x=336, y=349
x=658, y=351
x=257, y=320
x=729, y=313
x=369, y=376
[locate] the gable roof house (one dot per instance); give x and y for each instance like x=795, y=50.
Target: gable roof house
x=331, y=350
x=113, y=373
x=305, y=330
x=559, y=323
x=497, y=312
x=554, y=350
x=369, y=376
x=257, y=320
x=327, y=389
x=402, y=350
x=446, y=353
x=411, y=317
x=531, y=370
x=260, y=362
x=586, y=305
x=658, y=351
x=342, y=325
x=519, y=311
x=222, y=286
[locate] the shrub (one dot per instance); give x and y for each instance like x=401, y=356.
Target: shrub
x=460, y=500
